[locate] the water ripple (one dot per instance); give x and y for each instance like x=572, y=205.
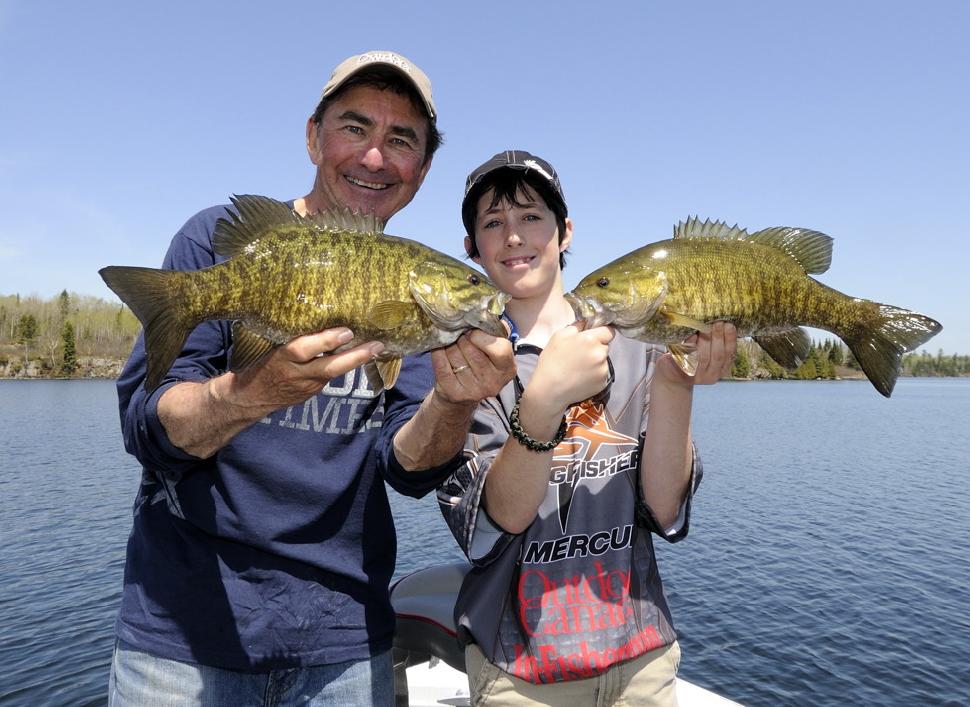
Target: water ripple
x=827, y=561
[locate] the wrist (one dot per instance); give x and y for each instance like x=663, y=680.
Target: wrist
x=528, y=441
x=542, y=403
x=663, y=387
x=227, y=394
x=439, y=404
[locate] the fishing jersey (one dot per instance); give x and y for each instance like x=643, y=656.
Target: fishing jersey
x=277, y=551
x=579, y=590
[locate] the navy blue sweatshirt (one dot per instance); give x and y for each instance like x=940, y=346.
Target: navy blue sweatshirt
x=277, y=551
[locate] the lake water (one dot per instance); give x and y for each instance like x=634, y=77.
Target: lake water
x=828, y=561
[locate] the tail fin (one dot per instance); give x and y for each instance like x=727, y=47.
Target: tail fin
x=880, y=351
x=154, y=297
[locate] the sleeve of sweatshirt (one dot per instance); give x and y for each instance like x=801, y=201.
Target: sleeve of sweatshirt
x=460, y=496
x=400, y=404
x=203, y=356
x=644, y=514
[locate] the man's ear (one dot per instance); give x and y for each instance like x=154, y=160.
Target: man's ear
x=312, y=137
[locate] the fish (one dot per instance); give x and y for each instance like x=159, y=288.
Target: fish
x=286, y=275
x=761, y=282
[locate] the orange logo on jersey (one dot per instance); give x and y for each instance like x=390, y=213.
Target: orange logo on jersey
x=587, y=432
x=587, y=429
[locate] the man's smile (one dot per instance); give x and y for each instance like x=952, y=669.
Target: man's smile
x=367, y=185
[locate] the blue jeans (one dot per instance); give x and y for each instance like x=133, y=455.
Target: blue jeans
x=144, y=680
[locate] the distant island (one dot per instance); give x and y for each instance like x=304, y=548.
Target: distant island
x=79, y=336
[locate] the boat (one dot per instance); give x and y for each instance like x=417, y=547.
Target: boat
x=429, y=665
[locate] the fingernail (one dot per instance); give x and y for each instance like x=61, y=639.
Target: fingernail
x=344, y=335
x=376, y=347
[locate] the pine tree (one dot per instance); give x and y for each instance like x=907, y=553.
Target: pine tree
x=836, y=355
x=69, y=363
x=26, y=335
x=64, y=304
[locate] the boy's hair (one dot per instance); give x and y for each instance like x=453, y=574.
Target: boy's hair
x=506, y=185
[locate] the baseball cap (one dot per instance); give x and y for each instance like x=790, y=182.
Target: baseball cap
x=350, y=66
x=509, y=159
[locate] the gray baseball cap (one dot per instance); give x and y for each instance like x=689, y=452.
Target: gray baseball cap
x=350, y=66
x=509, y=159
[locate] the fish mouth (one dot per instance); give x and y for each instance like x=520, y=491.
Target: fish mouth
x=376, y=186
x=490, y=315
x=588, y=311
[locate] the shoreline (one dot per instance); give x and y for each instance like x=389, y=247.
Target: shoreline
x=114, y=376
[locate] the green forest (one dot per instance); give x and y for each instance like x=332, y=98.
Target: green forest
x=832, y=360
x=68, y=336
x=79, y=336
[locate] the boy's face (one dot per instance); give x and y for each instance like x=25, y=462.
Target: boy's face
x=519, y=244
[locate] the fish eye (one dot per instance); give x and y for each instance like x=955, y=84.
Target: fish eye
x=603, y=282
x=474, y=279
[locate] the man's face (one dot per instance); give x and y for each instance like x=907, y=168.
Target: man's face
x=369, y=152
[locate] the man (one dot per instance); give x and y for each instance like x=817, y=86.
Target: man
x=262, y=543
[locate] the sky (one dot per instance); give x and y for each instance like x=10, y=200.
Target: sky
x=119, y=120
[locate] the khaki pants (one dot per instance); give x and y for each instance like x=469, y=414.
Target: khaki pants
x=647, y=681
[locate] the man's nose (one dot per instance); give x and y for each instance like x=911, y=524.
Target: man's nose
x=373, y=159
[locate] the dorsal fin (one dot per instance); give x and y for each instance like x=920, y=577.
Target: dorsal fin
x=693, y=228
x=256, y=215
x=347, y=220
x=812, y=250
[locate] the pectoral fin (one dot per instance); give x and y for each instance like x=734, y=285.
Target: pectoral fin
x=389, y=314
x=247, y=346
x=685, y=357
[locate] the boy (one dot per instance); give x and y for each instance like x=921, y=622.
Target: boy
x=570, y=475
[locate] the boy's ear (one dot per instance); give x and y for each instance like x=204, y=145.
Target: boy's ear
x=469, y=247
x=566, y=238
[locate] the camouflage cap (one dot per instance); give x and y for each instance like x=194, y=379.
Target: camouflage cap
x=509, y=159
x=350, y=66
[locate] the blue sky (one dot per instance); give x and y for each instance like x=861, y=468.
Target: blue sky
x=118, y=120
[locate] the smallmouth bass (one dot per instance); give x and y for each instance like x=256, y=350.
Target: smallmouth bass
x=665, y=291
x=287, y=275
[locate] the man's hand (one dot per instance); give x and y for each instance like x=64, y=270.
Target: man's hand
x=201, y=418
x=475, y=367
x=299, y=369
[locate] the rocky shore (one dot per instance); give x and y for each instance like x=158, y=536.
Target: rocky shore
x=88, y=368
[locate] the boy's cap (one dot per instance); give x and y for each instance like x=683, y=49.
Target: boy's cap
x=350, y=66
x=509, y=159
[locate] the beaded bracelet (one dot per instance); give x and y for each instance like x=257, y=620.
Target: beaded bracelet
x=528, y=442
